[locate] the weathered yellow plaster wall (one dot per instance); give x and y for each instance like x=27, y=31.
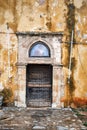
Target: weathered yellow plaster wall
x=33, y=15
x=80, y=52
x=81, y=22
x=80, y=71
x=78, y=84
x=8, y=58
x=43, y=16
x=24, y=15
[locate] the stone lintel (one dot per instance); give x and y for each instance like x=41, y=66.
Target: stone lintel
x=40, y=33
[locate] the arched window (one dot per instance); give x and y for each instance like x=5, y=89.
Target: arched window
x=39, y=49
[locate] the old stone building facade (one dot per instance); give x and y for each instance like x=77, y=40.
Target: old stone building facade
x=41, y=90
x=43, y=48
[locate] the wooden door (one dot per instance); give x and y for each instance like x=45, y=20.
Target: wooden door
x=39, y=85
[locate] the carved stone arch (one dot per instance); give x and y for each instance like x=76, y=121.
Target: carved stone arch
x=39, y=49
x=43, y=41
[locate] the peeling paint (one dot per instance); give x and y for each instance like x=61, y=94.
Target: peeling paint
x=45, y=16
x=78, y=3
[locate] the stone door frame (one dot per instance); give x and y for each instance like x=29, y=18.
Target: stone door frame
x=25, y=41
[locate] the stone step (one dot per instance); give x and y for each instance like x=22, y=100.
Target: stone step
x=62, y=128
x=39, y=128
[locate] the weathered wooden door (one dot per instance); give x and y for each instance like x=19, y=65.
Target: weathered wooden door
x=39, y=85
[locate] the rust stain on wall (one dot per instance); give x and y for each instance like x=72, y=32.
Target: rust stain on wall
x=45, y=16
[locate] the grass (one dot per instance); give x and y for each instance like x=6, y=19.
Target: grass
x=85, y=123
x=82, y=117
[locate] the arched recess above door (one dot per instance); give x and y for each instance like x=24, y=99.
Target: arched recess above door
x=39, y=49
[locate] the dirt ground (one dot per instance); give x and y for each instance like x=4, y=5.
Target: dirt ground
x=12, y=118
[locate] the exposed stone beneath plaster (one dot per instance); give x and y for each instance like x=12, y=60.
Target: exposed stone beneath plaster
x=41, y=18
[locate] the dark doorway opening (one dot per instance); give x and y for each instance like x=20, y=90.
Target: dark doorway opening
x=39, y=85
